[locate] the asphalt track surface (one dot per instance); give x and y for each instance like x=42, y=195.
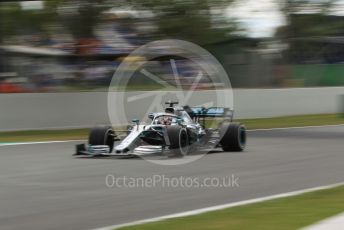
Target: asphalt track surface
x=43, y=186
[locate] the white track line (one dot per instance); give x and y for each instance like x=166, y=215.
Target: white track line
x=36, y=142
x=333, y=223
x=296, y=127
x=220, y=207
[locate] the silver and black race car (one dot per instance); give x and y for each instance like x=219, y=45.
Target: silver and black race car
x=177, y=131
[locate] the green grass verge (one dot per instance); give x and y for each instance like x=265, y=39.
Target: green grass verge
x=264, y=123
x=282, y=214
x=43, y=135
x=293, y=121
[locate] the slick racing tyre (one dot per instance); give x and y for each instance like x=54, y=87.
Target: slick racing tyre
x=233, y=137
x=102, y=135
x=179, y=141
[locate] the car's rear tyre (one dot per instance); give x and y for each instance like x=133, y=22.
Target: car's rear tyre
x=233, y=137
x=179, y=141
x=102, y=135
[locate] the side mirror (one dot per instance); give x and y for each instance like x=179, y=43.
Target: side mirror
x=136, y=121
x=151, y=116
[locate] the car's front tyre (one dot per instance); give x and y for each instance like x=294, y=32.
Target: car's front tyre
x=179, y=140
x=102, y=135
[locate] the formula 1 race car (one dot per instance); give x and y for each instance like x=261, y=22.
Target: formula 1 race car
x=175, y=132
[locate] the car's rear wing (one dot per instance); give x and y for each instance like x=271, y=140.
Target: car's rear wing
x=212, y=112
